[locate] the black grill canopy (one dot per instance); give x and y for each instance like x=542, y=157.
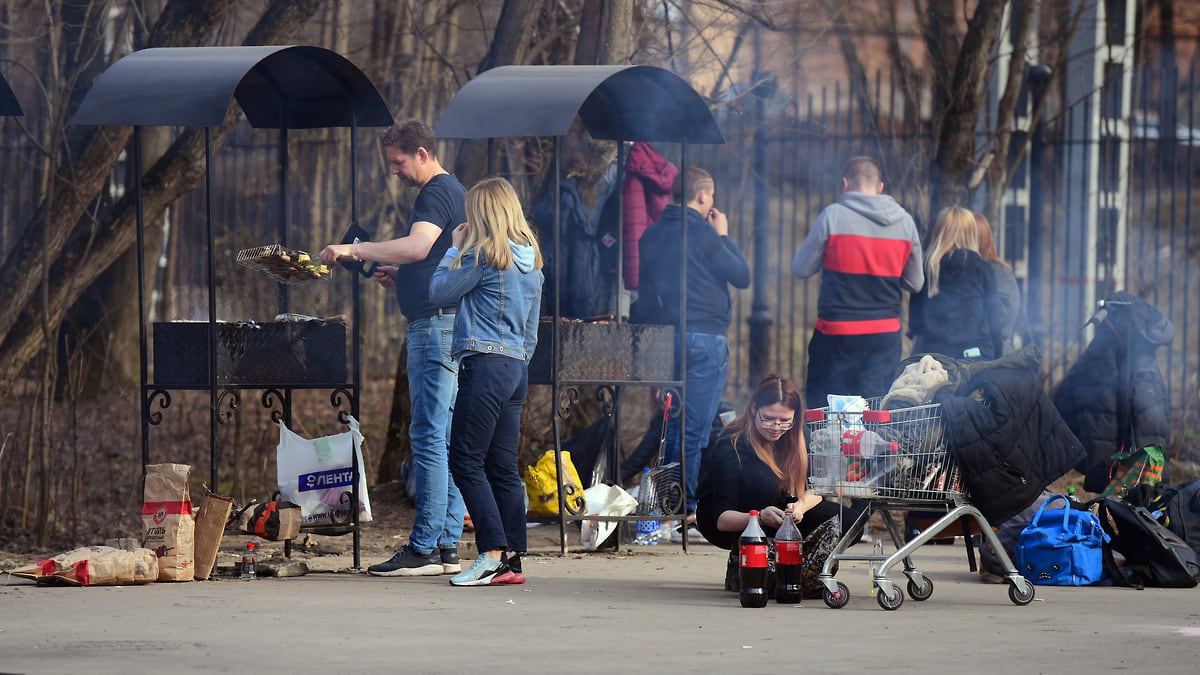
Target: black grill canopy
x=626, y=103
x=294, y=87
x=8, y=100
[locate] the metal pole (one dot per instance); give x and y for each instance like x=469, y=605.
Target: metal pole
x=212, y=308
x=1039, y=78
x=760, y=316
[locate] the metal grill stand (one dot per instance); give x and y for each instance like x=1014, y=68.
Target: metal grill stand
x=615, y=103
x=278, y=87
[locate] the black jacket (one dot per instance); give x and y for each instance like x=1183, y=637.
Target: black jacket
x=1114, y=398
x=714, y=262
x=1009, y=439
x=965, y=313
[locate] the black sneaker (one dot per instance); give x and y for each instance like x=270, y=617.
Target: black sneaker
x=408, y=563
x=450, y=562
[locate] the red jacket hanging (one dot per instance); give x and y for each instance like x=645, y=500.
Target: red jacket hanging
x=647, y=191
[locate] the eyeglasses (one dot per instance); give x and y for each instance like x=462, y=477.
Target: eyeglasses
x=782, y=425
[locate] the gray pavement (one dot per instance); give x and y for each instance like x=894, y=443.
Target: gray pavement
x=653, y=610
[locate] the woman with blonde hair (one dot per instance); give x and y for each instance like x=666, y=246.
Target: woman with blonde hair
x=492, y=271
x=760, y=463
x=957, y=313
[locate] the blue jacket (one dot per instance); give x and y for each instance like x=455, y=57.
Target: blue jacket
x=498, y=310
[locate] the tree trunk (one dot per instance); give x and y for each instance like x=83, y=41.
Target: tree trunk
x=74, y=264
x=956, y=139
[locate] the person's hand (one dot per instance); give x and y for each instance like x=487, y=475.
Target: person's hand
x=804, y=504
x=386, y=275
x=459, y=236
x=770, y=516
x=718, y=222
x=330, y=254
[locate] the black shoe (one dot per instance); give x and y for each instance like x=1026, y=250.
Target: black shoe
x=450, y=562
x=408, y=563
x=733, y=572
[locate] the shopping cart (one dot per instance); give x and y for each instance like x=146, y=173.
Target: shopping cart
x=894, y=460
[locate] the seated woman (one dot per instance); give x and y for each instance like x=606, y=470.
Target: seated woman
x=760, y=463
x=958, y=312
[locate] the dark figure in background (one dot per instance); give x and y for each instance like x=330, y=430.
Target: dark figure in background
x=869, y=251
x=714, y=263
x=409, y=262
x=958, y=313
x=760, y=463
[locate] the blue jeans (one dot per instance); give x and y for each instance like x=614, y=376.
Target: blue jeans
x=707, y=365
x=432, y=387
x=483, y=448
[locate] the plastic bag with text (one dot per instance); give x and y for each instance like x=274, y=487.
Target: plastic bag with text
x=317, y=475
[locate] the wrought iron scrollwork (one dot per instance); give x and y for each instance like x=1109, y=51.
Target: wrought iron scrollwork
x=164, y=401
x=568, y=398
x=279, y=403
x=345, y=507
x=606, y=394
x=228, y=401
x=345, y=401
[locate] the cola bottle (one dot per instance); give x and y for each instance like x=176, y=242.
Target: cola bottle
x=752, y=564
x=789, y=557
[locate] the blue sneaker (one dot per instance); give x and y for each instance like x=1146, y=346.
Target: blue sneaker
x=484, y=571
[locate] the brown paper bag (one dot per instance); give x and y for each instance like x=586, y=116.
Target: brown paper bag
x=210, y=528
x=167, y=516
x=95, y=566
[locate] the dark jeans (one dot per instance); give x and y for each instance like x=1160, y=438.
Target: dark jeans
x=483, y=448
x=852, y=365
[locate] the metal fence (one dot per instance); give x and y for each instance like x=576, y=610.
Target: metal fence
x=775, y=172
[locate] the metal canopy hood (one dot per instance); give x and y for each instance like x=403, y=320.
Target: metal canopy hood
x=8, y=100
x=294, y=87
x=627, y=103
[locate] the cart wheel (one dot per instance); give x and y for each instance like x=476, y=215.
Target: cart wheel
x=1020, y=596
x=837, y=599
x=890, y=602
x=920, y=592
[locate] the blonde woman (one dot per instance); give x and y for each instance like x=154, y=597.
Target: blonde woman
x=957, y=313
x=493, y=272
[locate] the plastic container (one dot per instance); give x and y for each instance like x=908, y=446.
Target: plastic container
x=789, y=560
x=752, y=564
x=647, y=530
x=249, y=563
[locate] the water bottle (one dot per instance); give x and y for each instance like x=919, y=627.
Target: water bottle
x=861, y=446
x=248, y=562
x=789, y=558
x=1072, y=499
x=752, y=564
x=647, y=530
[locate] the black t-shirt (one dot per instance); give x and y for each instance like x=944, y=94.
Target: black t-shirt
x=440, y=202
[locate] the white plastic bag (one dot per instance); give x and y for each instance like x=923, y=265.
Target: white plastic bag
x=316, y=474
x=604, y=500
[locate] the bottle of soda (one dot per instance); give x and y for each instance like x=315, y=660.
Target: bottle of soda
x=248, y=571
x=752, y=564
x=789, y=557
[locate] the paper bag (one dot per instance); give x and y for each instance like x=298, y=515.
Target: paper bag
x=210, y=528
x=167, y=516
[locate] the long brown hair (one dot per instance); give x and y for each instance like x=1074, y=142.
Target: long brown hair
x=987, y=243
x=786, y=457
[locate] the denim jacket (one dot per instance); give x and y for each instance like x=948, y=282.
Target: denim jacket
x=498, y=310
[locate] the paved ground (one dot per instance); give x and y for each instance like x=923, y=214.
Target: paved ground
x=655, y=610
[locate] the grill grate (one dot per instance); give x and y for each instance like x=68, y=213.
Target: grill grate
x=285, y=265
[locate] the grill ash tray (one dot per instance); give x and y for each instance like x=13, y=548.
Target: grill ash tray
x=283, y=264
x=269, y=353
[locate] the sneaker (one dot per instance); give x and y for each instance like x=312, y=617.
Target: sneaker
x=484, y=571
x=450, y=562
x=408, y=563
x=513, y=575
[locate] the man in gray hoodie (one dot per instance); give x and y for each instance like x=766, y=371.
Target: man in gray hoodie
x=870, y=251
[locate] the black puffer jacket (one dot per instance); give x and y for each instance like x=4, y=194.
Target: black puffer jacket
x=1114, y=397
x=1009, y=439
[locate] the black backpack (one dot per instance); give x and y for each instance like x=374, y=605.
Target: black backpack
x=1154, y=555
x=1176, y=507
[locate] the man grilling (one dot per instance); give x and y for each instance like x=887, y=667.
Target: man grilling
x=408, y=264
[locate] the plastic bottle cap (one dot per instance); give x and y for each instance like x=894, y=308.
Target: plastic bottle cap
x=754, y=512
x=250, y=547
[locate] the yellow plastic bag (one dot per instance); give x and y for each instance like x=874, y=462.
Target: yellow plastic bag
x=541, y=484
